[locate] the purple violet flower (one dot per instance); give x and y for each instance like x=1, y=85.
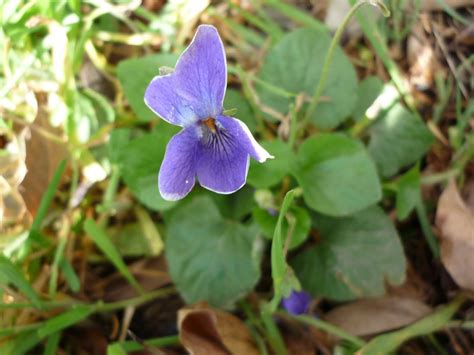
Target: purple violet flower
x=297, y=302
x=212, y=147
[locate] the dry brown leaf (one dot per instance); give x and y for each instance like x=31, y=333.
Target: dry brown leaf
x=300, y=339
x=42, y=158
x=205, y=331
x=421, y=58
x=371, y=316
x=455, y=221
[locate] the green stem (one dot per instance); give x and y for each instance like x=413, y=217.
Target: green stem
x=98, y=306
x=330, y=329
x=441, y=177
x=293, y=126
x=273, y=333
x=332, y=48
x=130, y=346
x=426, y=227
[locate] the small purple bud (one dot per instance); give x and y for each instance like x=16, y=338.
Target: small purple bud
x=273, y=212
x=297, y=303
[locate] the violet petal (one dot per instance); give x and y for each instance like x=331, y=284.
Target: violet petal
x=177, y=172
x=195, y=91
x=223, y=156
x=241, y=133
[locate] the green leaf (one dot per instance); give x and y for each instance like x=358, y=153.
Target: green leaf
x=102, y=106
x=83, y=121
x=408, y=195
x=140, y=160
x=397, y=140
x=337, y=175
x=99, y=237
x=136, y=74
x=236, y=205
x=131, y=241
x=116, y=349
x=272, y=171
x=356, y=256
x=301, y=220
x=119, y=139
x=369, y=89
x=211, y=258
x=295, y=65
x=234, y=99
x=9, y=273
x=64, y=320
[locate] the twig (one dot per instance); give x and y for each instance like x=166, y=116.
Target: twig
x=450, y=62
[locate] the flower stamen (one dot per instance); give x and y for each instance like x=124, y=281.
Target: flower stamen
x=211, y=124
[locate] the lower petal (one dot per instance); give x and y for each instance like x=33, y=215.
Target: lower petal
x=240, y=133
x=222, y=166
x=178, y=170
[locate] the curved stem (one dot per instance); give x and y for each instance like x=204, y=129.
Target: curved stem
x=330, y=54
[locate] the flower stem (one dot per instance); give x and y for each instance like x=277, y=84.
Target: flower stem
x=330, y=54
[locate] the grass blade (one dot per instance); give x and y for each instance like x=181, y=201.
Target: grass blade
x=9, y=273
x=48, y=196
x=105, y=245
x=64, y=320
x=387, y=343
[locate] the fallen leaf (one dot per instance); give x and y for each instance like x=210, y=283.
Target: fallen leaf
x=205, y=331
x=455, y=221
x=371, y=316
x=150, y=273
x=301, y=339
x=43, y=156
x=421, y=58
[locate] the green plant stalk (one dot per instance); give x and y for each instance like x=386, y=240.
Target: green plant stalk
x=247, y=90
x=296, y=15
x=426, y=227
x=129, y=346
x=330, y=329
x=58, y=255
x=48, y=196
x=373, y=35
x=387, y=343
x=273, y=333
x=293, y=126
x=52, y=344
x=98, y=306
x=258, y=22
x=330, y=54
x=255, y=326
x=246, y=33
x=102, y=241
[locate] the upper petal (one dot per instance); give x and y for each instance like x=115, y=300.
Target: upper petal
x=196, y=88
x=178, y=170
x=242, y=135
